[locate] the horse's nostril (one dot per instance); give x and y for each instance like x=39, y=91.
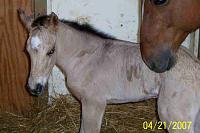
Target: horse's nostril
x=152, y=65
x=171, y=63
x=39, y=88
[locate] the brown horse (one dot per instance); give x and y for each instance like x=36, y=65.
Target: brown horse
x=166, y=24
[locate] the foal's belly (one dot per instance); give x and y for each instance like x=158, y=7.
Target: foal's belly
x=125, y=97
x=121, y=101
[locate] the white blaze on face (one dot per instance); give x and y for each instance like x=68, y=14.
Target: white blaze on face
x=35, y=42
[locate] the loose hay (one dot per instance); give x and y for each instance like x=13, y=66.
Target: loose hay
x=64, y=116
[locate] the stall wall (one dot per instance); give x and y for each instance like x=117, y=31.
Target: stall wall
x=14, y=67
x=114, y=17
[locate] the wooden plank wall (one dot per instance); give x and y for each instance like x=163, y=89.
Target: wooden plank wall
x=40, y=7
x=198, y=54
x=13, y=60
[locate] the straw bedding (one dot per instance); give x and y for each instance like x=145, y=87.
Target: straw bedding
x=64, y=116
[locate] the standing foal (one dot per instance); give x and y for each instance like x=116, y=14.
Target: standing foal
x=103, y=71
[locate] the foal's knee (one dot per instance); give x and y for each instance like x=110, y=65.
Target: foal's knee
x=92, y=115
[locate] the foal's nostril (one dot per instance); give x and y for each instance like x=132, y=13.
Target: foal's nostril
x=39, y=88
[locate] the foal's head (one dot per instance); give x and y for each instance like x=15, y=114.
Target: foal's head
x=166, y=23
x=41, y=48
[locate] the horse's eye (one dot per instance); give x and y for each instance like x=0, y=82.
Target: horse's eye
x=160, y=2
x=50, y=52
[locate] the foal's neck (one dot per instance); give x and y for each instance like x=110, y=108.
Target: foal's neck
x=71, y=44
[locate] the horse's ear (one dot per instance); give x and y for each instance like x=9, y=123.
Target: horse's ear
x=26, y=20
x=54, y=19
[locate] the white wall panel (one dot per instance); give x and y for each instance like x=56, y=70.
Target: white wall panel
x=116, y=17
x=192, y=42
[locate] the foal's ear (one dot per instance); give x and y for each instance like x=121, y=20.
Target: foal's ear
x=54, y=20
x=26, y=20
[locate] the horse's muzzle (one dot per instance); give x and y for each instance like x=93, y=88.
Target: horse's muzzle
x=38, y=90
x=162, y=62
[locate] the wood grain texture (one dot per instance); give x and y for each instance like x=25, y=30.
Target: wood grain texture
x=13, y=60
x=198, y=55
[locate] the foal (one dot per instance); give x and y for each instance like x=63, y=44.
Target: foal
x=103, y=71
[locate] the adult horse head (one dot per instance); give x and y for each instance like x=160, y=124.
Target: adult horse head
x=166, y=24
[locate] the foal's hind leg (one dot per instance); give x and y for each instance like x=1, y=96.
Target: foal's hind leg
x=92, y=114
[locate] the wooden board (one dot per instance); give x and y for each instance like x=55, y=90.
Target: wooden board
x=13, y=60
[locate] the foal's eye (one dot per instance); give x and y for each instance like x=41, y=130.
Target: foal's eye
x=50, y=52
x=160, y=2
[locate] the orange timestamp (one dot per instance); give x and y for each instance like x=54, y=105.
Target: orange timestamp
x=172, y=125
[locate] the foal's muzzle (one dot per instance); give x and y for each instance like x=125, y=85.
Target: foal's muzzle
x=161, y=62
x=39, y=88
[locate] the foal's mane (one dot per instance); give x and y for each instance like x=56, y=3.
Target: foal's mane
x=43, y=20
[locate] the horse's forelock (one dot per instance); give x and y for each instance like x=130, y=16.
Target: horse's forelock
x=41, y=21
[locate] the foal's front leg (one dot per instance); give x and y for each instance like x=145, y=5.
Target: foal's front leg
x=92, y=114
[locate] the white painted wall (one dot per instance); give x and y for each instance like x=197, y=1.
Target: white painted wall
x=114, y=17
x=191, y=42
x=119, y=18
